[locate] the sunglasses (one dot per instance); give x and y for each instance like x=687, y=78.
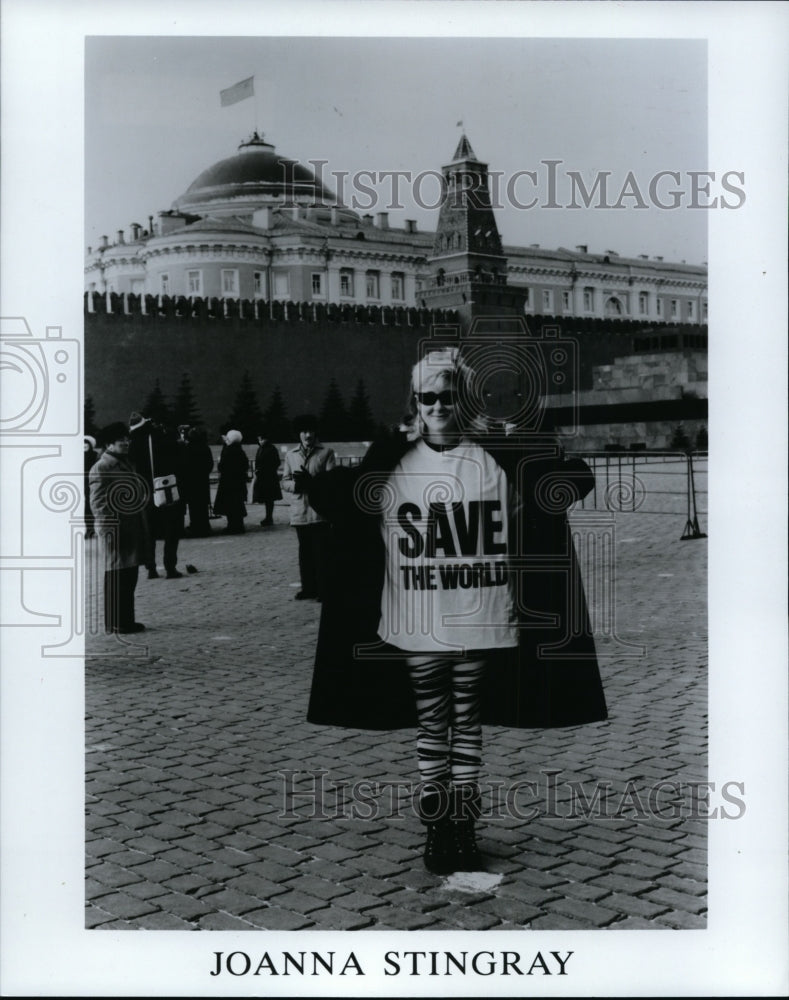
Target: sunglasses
x=446, y=397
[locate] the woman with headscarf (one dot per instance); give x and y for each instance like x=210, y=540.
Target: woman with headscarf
x=231, y=493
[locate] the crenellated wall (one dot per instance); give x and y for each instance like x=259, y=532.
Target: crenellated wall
x=130, y=342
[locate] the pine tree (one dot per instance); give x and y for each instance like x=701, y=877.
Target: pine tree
x=246, y=416
x=361, y=425
x=333, y=425
x=156, y=407
x=275, y=419
x=89, y=417
x=185, y=408
x=680, y=440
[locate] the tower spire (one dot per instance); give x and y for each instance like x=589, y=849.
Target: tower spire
x=468, y=268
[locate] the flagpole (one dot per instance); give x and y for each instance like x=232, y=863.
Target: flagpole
x=257, y=115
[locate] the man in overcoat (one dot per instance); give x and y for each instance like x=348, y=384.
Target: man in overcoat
x=118, y=496
x=167, y=522
x=310, y=458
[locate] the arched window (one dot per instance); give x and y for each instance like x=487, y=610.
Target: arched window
x=613, y=307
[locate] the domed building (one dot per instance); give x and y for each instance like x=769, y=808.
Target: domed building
x=254, y=178
x=259, y=226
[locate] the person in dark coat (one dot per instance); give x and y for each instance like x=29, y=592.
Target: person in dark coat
x=266, y=488
x=198, y=465
x=91, y=457
x=118, y=495
x=546, y=676
x=231, y=493
x=156, y=451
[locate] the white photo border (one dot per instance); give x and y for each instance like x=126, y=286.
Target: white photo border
x=46, y=950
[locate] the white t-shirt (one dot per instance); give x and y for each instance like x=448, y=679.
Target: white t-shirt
x=448, y=585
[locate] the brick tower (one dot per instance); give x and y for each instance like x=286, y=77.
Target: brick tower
x=467, y=268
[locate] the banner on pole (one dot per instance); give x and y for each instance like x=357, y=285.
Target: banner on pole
x=239, y=92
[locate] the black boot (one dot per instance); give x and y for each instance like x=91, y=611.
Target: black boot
x=466, y=808
x=439, y=855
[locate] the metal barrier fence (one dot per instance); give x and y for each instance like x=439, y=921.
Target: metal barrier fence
x=650, y=482
x=671, y=483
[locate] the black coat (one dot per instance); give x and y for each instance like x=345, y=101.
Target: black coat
x=550, y=679
x=231, y=493
x=168, y=460
x=266, y=488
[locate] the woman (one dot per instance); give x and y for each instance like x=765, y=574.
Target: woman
x=437, y=615
x=266, y=488
x=231, y=493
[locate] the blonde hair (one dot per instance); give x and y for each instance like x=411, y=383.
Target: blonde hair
x=234, y=437
x=445, y=364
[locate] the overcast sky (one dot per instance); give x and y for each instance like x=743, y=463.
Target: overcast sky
x=153, y=122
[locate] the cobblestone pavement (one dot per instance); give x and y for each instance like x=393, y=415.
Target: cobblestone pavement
x=196, y=732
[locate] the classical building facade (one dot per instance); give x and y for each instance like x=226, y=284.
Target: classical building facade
x=258, y=226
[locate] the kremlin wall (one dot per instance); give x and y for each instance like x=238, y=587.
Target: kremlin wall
x=257, y=268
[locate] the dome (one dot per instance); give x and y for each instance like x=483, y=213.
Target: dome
x=256, y=174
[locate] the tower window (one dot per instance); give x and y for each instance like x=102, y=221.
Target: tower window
x=643, y=303
x=547, y=300
x=164, y=284
x=588, y=299
x=674, y=308
x=565, y=301
x=258, y=284
x=398, y=286
x=317, y=284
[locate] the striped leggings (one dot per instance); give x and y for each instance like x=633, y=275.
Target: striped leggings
x=447, y=691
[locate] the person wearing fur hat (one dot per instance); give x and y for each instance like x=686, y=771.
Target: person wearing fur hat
x=310, y=458
x=231, y=492
x=456, y=598
x=118, y=495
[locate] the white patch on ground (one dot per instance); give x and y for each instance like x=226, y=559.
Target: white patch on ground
x=472, y=881
x=665, y=574
x=221, y=638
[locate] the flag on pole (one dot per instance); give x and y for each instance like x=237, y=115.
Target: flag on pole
x=239, y=92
